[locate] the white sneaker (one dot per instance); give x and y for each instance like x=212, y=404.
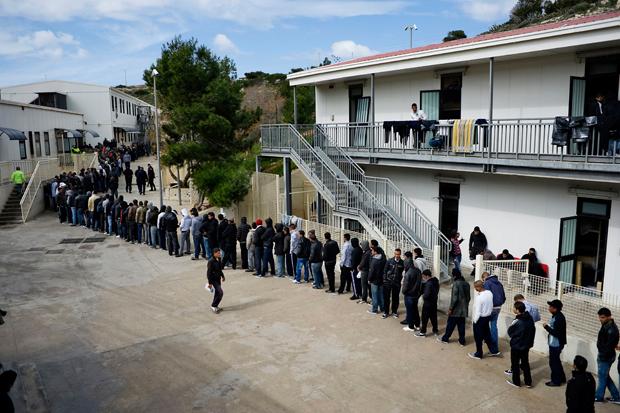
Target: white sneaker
x=406, y=328
x=214, y=309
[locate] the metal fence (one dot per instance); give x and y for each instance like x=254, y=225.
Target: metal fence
x=524, y=139
x=581, y=304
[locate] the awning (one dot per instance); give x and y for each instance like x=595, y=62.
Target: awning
x=13, y=134
x=91, y=132
x=129, y=130
x=74, y=133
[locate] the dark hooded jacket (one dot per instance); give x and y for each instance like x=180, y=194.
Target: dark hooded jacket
x=230, y=235
x=278, y=241
x=269, y=233
x=431, y=292
x=460, y=297
x=580, y=392
x=522, y=332
x=412, y=280
x=209, y=229
x=375, y=271
x=356, y=253
x=242, y=230
x=316, y=251
x=393, y=273
x=364, y=264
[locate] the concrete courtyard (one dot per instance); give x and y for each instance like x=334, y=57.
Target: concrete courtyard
x=104, y=326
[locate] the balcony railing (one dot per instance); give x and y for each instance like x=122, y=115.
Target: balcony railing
x=517, y=139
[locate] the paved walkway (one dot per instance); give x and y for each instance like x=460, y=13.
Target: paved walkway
x=107, y=326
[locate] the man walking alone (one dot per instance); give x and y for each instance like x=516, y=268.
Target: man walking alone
x=215, y=277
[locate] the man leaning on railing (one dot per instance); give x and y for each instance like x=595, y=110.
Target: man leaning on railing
x=18, y=179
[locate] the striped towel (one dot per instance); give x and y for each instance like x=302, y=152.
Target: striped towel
x=463, y=131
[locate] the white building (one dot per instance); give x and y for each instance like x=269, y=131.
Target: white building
x=108, y=112
x=509, y=179
x=29, y=132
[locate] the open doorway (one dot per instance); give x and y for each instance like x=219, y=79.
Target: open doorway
x=449, y=195
x=583, y=244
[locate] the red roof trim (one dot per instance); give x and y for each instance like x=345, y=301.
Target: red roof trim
x=491, y=36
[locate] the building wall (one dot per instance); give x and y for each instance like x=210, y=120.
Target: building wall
x=33, y=119
x=514, y=212
x=92, y=100
x=534, y=88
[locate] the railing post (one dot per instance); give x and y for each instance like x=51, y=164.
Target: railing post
x=437, y=261
x=479, y=263
x=560, y=291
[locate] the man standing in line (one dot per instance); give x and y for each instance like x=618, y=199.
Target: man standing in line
x=363, y=269
x=483, y=307
x=392, y=277
x=258, y=248
x=375, y=278
x=522, y=332
x=151, y=175
x=529, y=307
x=330, y=252
x=492, y=283
x=356, y=278
x=128, y=179
x=141, y=178
x=186, y=224
x=429, y=307
x=171, y=223
x=230, y=245
x=418, y=259
x=412, y=288
x=345, y=265
x=606, y=344
x=209, y=232
x=268, y=235
x=242, y=235
x=316, y=260
x=459, y=307
x=223, y=222
x=249, y=241
x=18, y=179
x=294, y=241
x=161, y=227
x=131, y=221
x=197, y=235
x=557, y=340
x=278, y=250
x=303, y=253
x=215, y=277
x=580, y=389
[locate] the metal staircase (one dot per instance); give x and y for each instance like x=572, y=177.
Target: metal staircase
x=345, y=187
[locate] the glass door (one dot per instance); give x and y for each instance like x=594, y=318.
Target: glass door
x=566, y=255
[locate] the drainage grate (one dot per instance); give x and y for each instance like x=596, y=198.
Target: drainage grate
x=70, y=240
x=36, y=249
x=54, y=251
x=94, y=239
x=86, y=247
x=113, y=246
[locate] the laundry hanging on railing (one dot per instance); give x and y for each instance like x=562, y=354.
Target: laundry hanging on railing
x=463, y=135
x=561, y=131
x=401, y=128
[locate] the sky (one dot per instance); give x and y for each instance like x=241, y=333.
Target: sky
x=111, y=42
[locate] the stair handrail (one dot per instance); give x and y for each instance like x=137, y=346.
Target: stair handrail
x=39, y=174
x=437, y=235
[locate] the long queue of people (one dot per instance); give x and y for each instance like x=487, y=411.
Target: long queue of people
x=369, y=276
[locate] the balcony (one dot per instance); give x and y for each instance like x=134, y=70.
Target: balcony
x=508, y=146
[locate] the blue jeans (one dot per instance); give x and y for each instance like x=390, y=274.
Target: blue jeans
x=555, y=364
x=302, y=262
x=80, y=217
x=280, y=265
x=457, y=262
x=207, y=248
x=493, y=326
x=154, y=236
x=605, y=381
x=140, y=233
x=267, y=259
x=109, y=219
x=199, y=245
x=74, y=215
x=317, y=274
x=377, y=297
x=258, y=260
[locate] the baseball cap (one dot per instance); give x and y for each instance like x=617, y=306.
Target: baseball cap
x=556, y=304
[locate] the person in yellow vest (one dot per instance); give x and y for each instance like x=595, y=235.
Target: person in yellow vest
x=75, y=149
x=18, y=179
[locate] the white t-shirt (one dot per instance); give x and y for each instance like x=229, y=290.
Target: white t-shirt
x=419, y=115
x=483, y=305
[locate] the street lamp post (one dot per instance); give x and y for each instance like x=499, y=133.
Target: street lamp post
x=411, y=29
x=154, y=73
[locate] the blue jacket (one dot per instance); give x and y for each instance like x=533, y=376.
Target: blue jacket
x=492, y=284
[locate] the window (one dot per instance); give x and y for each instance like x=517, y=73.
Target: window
x=594, y=207
x=22, y=150
x=450, y=97
x=112, y=101
x=46, y=143
x=31, y=144
x=37, y=143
